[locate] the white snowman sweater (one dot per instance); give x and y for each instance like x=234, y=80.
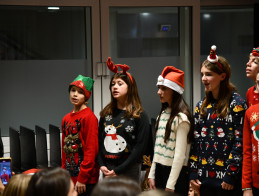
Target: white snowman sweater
x=175, y=152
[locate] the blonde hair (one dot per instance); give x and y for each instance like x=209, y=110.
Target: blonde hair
x=17, y=185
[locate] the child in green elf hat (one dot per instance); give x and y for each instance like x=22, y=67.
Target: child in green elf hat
x=80, y=138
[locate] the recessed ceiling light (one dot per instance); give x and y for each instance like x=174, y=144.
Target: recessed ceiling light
x=53, y=8
x=207, y=16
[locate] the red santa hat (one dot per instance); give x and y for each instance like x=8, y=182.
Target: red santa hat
x=31, y=171
x=172, y=78
x=213, y=58
x=255, y=52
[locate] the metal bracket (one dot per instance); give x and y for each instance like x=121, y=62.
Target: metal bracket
x=102, y=69
x=99, y=69
x=106, y=71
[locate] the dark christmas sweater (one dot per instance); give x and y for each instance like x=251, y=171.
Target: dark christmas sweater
x=122, y=140
x=250, y=174
x=80, y=146
x=216, y=153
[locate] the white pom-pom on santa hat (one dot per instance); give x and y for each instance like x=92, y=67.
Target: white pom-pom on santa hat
x=213, y=47
x=213, y=58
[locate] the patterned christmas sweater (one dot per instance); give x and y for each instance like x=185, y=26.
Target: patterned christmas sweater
x=252, y=97
x=122, y=140
x=250, y=175
x=175, y=152
x=80, y=146
x=216, y=153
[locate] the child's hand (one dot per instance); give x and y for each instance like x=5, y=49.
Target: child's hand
x=248, y=193
x=227, y=186
x=151, y=183
x=104, y=170
x=80, y=187
x=196, y=184
x=169, y=190
x=111, y=173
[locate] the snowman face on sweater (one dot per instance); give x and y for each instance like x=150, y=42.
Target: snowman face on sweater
x=110, y=129
x=220, y=132
x=237, y=133
x=113, y=142
x=204, y=131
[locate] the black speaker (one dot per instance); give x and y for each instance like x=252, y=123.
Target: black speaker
x=41, y=147
x=55, y=146
x=15, y=149
x=28, y=150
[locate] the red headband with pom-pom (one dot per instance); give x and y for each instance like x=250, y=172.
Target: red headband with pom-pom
x=114, y=68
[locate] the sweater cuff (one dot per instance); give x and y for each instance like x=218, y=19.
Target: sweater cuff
x=81, y=179
x=229, y=179
x=152, y=171
x=245, y=186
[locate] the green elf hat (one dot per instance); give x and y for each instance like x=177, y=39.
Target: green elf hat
x=85, y=83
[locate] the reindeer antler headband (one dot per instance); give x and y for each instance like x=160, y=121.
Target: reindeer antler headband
x=114, y=68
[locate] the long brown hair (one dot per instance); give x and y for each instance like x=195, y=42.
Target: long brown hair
x=225, y=89
x=178, y=105
x=133, y=103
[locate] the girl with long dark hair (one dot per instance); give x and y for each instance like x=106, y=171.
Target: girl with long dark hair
x=173, y=135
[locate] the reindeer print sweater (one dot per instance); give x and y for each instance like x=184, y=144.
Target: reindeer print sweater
x=122, y=140
x=216, y=153
x=80, y=146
